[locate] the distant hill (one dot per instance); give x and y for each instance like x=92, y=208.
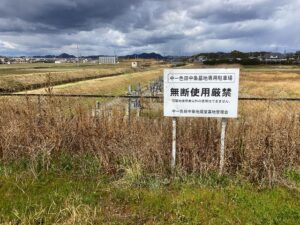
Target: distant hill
x=65, y=56
x=44, y=56
x=61, y=56
x=94, y=57
x=152, y=55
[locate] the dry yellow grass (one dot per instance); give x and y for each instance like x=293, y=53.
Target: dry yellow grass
x=270, y=84
x=26, y=80
x=284, y=82
x=261, y=144
x=259, y=84
x=108, y=85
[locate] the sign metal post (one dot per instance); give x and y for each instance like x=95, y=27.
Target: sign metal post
x=174, y=126
x=222, y=148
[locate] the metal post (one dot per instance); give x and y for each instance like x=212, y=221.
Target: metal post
x=139, y=89
x=173, y=160
x=97, y=110
x=222, y=150
x=138, y=110
x=129, y=104
x=39, y=105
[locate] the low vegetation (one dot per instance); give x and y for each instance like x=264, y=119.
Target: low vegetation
x=270, y=84
x=71, y=191
x=256, y=142
x=59, y=164
x=28, y=81
x=40, y=68
x=115, y=85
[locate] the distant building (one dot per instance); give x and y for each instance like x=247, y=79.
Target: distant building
x=108, y=60
x=275, y=57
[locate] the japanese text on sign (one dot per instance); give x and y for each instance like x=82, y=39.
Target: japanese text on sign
x=201, y=92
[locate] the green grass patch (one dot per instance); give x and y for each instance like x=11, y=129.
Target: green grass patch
x=74, y=190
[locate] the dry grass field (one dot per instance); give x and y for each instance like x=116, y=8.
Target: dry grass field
x=254, y=81
x=18, y=77
x=25, y=77
x=59, y=164
x=270, y=84
x=37, y=68
x=109, y=85
x=266, y=81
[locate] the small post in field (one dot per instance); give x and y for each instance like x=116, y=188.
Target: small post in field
x=139, y=89
x=129, y=104
x=97, y=111
x=138, y=100
x=138, y=110
x=39, y=105
x=174, y=126
x=222, y=149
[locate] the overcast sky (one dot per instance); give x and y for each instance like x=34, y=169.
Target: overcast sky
x=181, y=27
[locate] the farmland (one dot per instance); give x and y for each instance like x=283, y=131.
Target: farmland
x=111, y=85
x=58, y=164
x=18, y=77
x=271, y=83
x=256, y=81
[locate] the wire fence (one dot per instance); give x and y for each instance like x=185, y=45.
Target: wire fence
x=141, y=105
x=135, y=96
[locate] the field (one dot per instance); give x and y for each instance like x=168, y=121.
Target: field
x=116, y=85
x=267, y=81
x=58, y=164
x=271, y=83
x=19, y=77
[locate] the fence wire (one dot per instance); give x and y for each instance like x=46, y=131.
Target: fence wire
x=152, y=106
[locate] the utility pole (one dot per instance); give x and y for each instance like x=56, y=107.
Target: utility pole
x=77, y=55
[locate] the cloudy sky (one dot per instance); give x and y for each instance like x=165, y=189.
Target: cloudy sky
x=181, y=27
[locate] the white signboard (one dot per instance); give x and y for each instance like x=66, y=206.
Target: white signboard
x=201, y=92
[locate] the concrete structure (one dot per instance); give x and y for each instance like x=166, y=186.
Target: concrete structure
x=108, y=59
x=135, y=64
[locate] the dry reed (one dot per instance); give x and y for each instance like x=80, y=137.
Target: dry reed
x=261, y=144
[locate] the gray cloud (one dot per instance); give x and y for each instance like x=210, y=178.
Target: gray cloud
x=60, y=15
x=169, y=26
x=234, y=11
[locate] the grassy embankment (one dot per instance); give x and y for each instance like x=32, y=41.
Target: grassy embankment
x=73, y=193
